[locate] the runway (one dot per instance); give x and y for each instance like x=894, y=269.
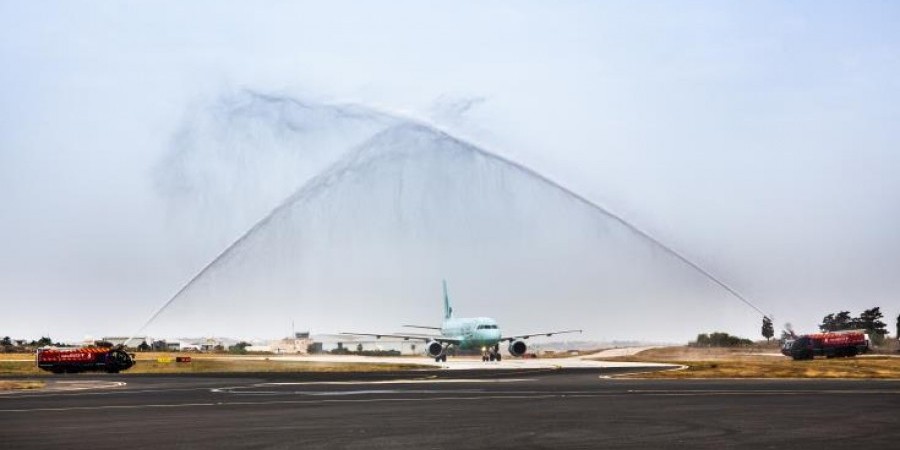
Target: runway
x=531, y=408
x=474, y=363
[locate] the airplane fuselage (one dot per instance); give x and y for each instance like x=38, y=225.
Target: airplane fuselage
x=472, y=332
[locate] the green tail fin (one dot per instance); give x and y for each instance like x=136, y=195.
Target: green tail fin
x=448, y=311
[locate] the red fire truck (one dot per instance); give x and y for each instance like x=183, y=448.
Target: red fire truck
x=830, y=345
x=84, y=359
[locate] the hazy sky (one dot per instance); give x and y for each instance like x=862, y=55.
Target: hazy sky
x=759, y=139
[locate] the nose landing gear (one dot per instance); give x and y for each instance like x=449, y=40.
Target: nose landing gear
x=491, y=353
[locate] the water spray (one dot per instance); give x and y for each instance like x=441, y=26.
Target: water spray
x=350, y=162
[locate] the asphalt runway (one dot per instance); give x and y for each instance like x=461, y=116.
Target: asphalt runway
x=544, y=408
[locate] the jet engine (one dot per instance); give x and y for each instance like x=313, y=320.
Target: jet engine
x=434, y=349
x=517, y=348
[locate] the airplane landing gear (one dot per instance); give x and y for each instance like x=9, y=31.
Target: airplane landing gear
x=443, y=356
x=493, y=354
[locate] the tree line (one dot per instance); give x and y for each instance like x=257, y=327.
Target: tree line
x=869, y=320
x=719, y=339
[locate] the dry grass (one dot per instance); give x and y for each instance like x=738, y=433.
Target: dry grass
x=19, y=368
x=759, y=363
x=9, y=385
x=213, y=363
x=16, y=356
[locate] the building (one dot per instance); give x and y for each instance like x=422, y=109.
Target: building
x=298, y=344
x=133, y=342
x=164, y=346
x=353, y=344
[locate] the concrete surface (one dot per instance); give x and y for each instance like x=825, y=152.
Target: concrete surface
x=491, y=409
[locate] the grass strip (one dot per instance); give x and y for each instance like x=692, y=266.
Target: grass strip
x=10, y=385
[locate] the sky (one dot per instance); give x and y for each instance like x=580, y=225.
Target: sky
x=138, y=141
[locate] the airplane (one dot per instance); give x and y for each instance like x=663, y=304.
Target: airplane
x=466, y=333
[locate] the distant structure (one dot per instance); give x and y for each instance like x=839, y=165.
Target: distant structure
x=164, y=346
x=133, y=342
x=374, y=345
x=298, y=344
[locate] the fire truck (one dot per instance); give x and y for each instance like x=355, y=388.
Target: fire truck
x=84, y=359
x=830, y=345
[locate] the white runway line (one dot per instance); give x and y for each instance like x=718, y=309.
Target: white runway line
x=403, y=381
x=492, y=397
x=66, y=386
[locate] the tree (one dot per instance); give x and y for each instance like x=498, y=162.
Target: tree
x=6, y=341
x=843, y=321
x=898, y=327
x=719, y=339
x=768, y=330
x=827, y=323
x=240, y=347
x=870, y=320
x=702, y=340
x=837, y=322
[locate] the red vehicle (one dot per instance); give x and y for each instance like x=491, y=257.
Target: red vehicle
x=84, y=359
x=830, y=345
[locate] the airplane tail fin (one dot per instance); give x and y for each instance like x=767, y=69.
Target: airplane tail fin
x=448, y=310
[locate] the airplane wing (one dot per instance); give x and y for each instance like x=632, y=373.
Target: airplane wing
x=422, y=335
x=526, y=336
x=409, y=337
x=424, y=327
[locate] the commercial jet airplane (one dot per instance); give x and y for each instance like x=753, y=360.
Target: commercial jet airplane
x=466, y=333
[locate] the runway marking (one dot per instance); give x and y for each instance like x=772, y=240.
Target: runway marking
x=80, y=385
x=622, y=375
x=236, y=389
x=65, y=387
x=403, y=381
x=519, y=396
x=83, y=393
